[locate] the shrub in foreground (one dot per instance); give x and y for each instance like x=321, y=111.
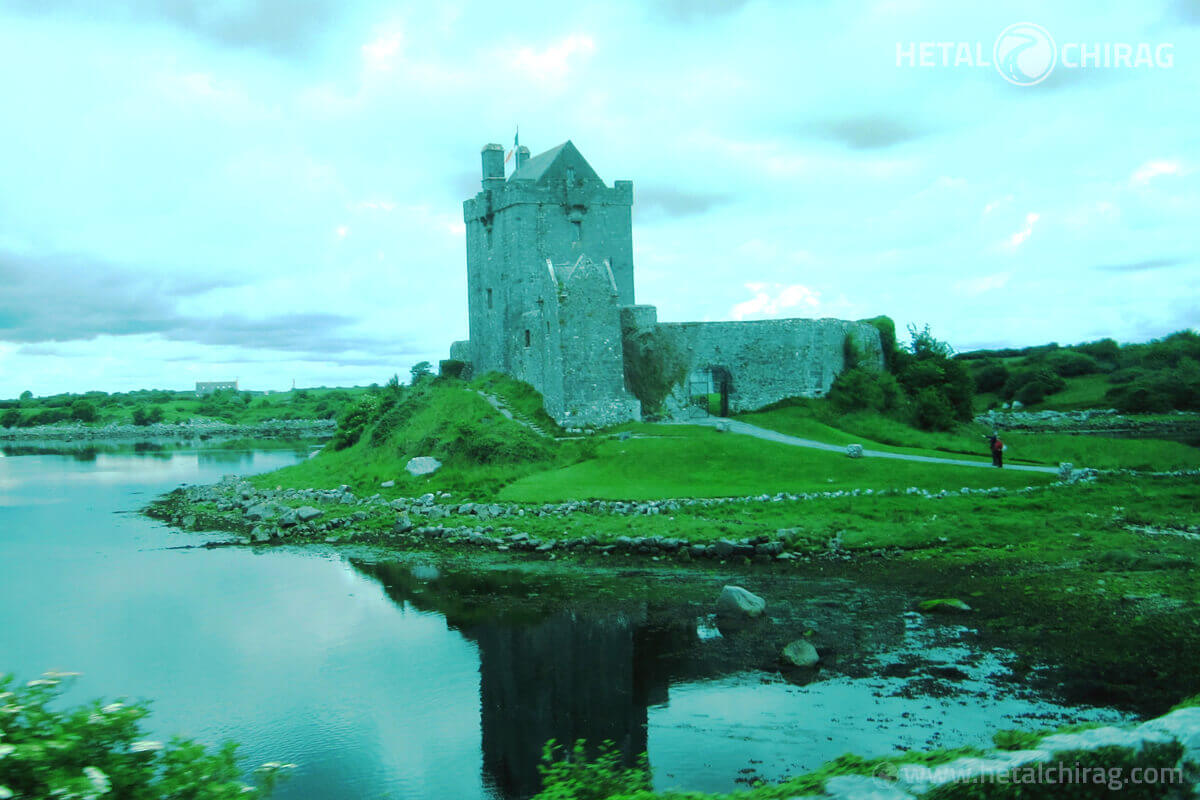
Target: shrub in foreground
x=99, y=750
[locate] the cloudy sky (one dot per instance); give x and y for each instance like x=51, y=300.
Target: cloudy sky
x=271, y=190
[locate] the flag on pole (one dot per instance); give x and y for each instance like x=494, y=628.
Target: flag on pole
x=516, y=144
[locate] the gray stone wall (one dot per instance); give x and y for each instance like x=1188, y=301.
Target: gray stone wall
x=766, y=360
x=593, y=371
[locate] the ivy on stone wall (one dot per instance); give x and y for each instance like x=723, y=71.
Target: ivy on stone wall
x=887, y=339
x=653, y=365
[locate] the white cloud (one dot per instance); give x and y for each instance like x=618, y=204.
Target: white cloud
x=995, y=204
x=1020, y=237
x=1154, y=169
x=382, y=53
x=772, y=300
x=552, y=65
x=984, y=283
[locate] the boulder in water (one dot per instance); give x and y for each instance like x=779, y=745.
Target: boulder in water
x=735, y=601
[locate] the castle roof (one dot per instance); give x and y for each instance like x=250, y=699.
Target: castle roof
x=553, y=163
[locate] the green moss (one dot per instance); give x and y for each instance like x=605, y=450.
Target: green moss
x=1016, y=739
x=653, y=365
x=1083, y=774
x=1189, y=702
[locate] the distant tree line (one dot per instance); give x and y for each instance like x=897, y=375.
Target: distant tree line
x=147, y=407
x=1157, y=376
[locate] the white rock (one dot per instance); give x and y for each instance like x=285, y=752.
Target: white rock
x=735, y=600
x=919, y=778
x=854, y=450
x=1103, y=737
x=800, y=654
x=1184, y=727
x=422, y=465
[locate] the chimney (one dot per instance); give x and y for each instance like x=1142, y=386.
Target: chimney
x=493, y=165
x=522, y=155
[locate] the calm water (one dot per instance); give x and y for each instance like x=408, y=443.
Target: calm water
x=387, y=679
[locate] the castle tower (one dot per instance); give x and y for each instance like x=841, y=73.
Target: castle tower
x=549, y=264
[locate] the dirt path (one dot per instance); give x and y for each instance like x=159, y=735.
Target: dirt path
x=746, y=429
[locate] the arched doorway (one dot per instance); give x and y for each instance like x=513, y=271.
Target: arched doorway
x=709, y=388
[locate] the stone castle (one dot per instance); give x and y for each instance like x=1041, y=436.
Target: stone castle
x=551, y=302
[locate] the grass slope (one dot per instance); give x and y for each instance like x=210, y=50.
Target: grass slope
x=688, y=461
x=816, y=420
x=481, y=449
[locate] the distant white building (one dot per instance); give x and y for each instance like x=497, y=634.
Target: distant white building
x=204, y=388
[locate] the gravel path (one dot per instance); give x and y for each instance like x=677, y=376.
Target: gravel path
x=745, y=428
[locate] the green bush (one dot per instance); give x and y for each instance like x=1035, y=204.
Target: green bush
x=576, y=776
x=100, y=750
x=1106, y=350
x=931, y=411
x=48, y=416
x=452, y=368
x=354, y=421
x=1138, y=399
x=865, y=390
x=420, y=371
x=992, y=377
x=147, y=416
x=1048, y=381
x=83, y=411
x=10, y=418
x=1071, y=364
x=927, y=367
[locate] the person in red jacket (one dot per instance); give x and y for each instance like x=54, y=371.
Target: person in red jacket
x=997, y=448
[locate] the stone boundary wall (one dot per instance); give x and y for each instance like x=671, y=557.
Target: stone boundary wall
x=769, y=360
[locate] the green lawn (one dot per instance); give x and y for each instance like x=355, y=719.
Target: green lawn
x=1084, y=391
x=875, y=431
x=689, y=461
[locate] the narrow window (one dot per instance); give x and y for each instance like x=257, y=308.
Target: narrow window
x=489, y=295
x=528, y=341
x=489, y=237
x=578, y=229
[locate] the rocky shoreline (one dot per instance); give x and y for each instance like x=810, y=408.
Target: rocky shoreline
x=336, y=516
x=191, y=429
x=1159, y=758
